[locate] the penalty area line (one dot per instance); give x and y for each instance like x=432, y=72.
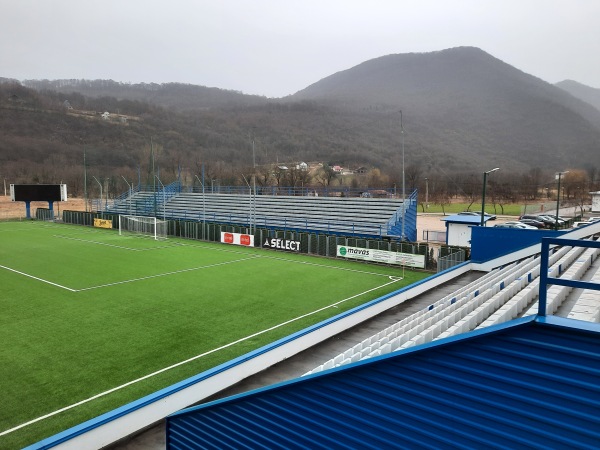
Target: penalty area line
x=175, y=272
x=37, y=278
x=193, y=358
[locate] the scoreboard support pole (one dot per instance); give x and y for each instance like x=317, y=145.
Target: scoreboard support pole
x=28, y=208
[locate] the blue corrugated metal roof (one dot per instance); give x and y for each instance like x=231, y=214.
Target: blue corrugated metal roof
x=529, y=383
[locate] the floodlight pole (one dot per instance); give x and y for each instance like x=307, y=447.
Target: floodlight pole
x=164, y=199
x=203, y=206
x=253, y=211
x=130, y=193
x=250, y=198
x=100, y=191
x=403, y=179
x=485, y=174
x=558, y=175
x=85, y=196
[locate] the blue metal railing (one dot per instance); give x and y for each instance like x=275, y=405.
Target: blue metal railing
x=545, y=279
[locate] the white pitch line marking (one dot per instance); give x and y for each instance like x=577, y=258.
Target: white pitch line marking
x=112, y=245
x=193, y=358
x=37, y=278
x=164, y=274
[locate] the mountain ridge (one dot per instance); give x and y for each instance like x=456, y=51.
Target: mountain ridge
x=585, y=93
x=463, y=110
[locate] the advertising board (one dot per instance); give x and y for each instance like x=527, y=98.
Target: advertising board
x=281, y=244
x=246, y=240
x=382, y=256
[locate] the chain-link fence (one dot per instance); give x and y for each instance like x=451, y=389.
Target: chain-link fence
x=451, y=256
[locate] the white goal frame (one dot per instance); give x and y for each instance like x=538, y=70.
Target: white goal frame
x=143, y=226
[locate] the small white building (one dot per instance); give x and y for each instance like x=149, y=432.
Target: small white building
x=458, y=229
x=595, y=201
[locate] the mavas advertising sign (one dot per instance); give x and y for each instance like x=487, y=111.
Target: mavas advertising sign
x=382, y=256
x=282, y=244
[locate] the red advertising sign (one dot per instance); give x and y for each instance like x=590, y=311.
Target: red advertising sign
x=246, y=240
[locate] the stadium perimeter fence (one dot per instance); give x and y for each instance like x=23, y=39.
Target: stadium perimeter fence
x=312, y=243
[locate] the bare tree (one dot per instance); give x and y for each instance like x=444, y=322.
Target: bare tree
x=325, y=175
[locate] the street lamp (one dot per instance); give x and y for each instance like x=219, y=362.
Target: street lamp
x=250, y=204
x=164, y=198
x=203, y=206
x=558, y=175
x=485, y=174
x=100, y=192
x=130, y=192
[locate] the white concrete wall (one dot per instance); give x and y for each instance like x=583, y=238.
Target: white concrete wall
x=459, y=234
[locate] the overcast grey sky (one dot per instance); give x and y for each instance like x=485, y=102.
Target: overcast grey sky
x=277, y=47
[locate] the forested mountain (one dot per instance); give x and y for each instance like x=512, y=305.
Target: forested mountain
x=463, y=111
x=178, y=96
x=581, y=91
x=471, y=108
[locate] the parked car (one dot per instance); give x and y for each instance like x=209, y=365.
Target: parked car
x=561, y=220
x=490, y=216
x=477, y=213
x=515, y=224
x=534, y=223
x=546, y=220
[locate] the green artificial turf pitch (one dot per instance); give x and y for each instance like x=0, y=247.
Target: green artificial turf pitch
x=85, y=311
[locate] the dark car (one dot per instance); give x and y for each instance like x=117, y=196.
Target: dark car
x=544, y=219
x=515, y=224
x=561, y=220
x=533, y=223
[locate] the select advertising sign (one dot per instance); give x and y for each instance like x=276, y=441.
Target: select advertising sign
x=282, y=244
x=382, y=256
x=246, y=240
x=103, y=223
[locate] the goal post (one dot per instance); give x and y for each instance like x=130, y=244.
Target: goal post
x=143, y=226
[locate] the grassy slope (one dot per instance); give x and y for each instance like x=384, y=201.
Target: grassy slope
x=68, y=346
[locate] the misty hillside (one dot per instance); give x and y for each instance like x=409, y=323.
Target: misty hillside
x=472, y=104
x=463, y=111
x=582, y=92
x=178, y=96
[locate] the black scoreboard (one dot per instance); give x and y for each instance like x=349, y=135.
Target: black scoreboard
x=38, y=192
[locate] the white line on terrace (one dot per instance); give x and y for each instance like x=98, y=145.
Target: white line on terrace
x=145, y=377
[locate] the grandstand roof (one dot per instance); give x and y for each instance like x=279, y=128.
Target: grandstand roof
x=531, y=382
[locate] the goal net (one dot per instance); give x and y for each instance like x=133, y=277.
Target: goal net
x=143, y=226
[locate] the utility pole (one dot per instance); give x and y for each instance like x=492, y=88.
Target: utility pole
x=153, y=174
x=85, y=196
x=403, y=236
